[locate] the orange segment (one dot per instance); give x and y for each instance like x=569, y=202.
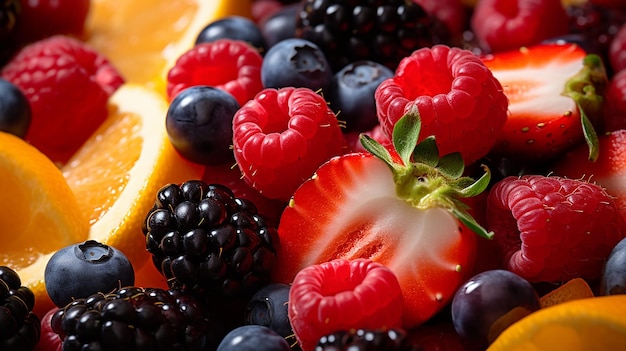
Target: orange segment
x=144, y=38
x=583, y=324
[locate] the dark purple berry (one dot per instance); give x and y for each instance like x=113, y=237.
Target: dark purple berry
x=253, y=338
x=235, y=28
x=366, y=340
x=268, y=307
x=20, y=328
x=613, y=280
x=15, y=112
x=280, y=25
x=80, y=270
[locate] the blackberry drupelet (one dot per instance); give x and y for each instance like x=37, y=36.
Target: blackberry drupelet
x=134, y=318
x=20, y=328
x=367, y=340
x=207, y=242
x=383, y=31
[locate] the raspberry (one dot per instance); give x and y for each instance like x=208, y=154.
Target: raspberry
x=19, y=326
x=282, y=136
x=552, y=229
x=68, y=85
x=134, y=318
x=342, y=295
x=509, y=25
x=459, y=101
x=45, y=18
x=231, y=65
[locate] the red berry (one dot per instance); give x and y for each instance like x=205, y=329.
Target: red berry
x=450, y=12
x=459, y=100
x=341, y=295
x=617, y=50
x=49, y=340
x=614, y=117
x=231, y=65
x=509, y=25
x=45, y=18
x=68, y=85
x=553, y=229
x=282, y=136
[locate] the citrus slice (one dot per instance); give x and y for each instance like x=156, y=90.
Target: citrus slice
x=39, y=210
x=596, y=323
x=143, y=38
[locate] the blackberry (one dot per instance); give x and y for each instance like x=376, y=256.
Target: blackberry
x=208, y=242
x=366, y=340
x=20, y=328
x=383, y=31
x=134, y=318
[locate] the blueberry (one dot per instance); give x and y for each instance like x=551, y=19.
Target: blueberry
x=613, y=280
x=489, y=302
x=280, y=25
x=268, y=307
x=80, y=270
x=298, y=63
x=352, y=94
x=199, y=124
x=233, y=27
x=15, y=112
x=253, y=338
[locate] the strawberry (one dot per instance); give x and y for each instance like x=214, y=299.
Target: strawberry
x=281, y=136
x=553, y=229
x=342, y=295
x=546, y=86
x=403, y=212
x=459, y=100
x=608, y=171
x=508, y=25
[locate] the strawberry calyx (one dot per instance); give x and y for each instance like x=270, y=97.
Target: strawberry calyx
x=587, y=88
x=423, y=178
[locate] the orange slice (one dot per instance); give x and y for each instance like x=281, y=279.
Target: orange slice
x=143, y=38
x=39, y=210
x=596, y=323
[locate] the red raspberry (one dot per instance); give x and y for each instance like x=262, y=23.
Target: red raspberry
x=282, y=136
x=459, y=100
x=231, y=65
x=44, y=18
x=553, y=229
x=341, y=295
x=617, y=50
x=508, y=25
x=68, y=85
x=614, y=116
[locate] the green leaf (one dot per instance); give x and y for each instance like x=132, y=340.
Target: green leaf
x=471, y=223
x=406, y=133
x=478, y=186
x=591, y=138
x=451, y=165
x=427, y=152
x=376, y=149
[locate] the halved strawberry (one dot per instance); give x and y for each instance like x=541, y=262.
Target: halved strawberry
x=546, y=86
x=404, y=211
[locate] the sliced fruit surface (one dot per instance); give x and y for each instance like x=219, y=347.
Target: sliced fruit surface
x=144, y=38
x=585, y=324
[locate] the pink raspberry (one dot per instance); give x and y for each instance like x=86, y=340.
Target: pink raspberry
x=282, y=136
x=231, y=65
x=68, y=85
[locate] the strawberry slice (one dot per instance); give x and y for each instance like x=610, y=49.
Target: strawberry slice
x=546, y=86
x=402, y=209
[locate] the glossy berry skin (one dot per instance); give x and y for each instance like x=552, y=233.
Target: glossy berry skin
x=235, y=28
x=352, y=94
x=509, y=25
x=343, y=294
x=280, y=25
x=253, y=338
x=282, y=136
x=296, y=63
x=54, y=73
x=49, y=340
x=459, y=100
x=87, y=268
x=231, y=65
x=367, y=340
x=553, y=229
x=268, y=307
x=613, y=280
x=15, y=111
x=20, y=328
x=489, y=302
x=199, y=124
